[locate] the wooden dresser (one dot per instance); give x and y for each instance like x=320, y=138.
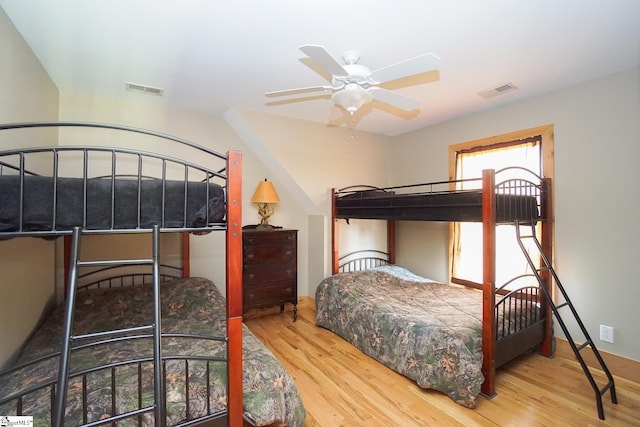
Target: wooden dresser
x=270, y=269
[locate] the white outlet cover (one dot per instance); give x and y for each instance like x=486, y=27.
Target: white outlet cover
x=606, y=333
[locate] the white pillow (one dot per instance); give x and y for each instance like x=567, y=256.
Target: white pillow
x=402, y=273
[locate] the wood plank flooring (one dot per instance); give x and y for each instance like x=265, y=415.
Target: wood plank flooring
x=341, y=386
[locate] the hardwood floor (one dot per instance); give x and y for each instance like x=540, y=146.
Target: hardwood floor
x=341, y=386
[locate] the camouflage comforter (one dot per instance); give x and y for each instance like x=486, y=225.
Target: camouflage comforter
x=188, y=306
x=427, y=331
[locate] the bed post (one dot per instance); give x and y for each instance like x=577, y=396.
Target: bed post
x=186, y=256
x=334, y=233
x=488, y=282
x=234, y=287
x=391, y=241
x=546, y=348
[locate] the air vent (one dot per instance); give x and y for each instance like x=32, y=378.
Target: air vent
x=498, y=90
x=147, y=90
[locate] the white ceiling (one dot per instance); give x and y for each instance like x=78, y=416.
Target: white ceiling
x=210, y=55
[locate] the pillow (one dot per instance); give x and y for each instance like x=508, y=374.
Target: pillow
x=402, y=273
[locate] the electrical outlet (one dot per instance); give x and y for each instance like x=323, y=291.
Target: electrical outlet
x=606, y=333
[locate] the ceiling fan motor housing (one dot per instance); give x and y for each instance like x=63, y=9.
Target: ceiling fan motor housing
x=356, y=73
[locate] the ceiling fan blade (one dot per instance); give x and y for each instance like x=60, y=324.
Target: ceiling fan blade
x=419, y=64
x=324, y=59
x=293, y=100
x=394, y=98
x=298, y=91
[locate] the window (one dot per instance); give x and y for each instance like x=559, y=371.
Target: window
x=467, y=160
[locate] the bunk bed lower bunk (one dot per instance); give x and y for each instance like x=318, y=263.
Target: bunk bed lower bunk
x=446, y=337
x=117, y=377
x=78, y=189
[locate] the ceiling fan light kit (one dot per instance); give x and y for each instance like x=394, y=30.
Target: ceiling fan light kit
x=354, y=85
x=352, y=97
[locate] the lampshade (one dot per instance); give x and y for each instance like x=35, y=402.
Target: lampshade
x=352, y=97
x=265, y=193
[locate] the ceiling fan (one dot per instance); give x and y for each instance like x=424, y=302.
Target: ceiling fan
x=354, y=85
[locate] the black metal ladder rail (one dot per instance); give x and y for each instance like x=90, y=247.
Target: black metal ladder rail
x=577, y=348
x=68, y=338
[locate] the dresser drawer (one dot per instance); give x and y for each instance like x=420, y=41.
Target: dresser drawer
x=270, y=295
x=269, y=237
x=261, y=274
x=269, y=253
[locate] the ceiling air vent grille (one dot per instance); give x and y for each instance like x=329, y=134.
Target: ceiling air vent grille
x=498, y=90
x=147, y=90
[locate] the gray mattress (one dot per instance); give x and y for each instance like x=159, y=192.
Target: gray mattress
x=465, y=206
x=109, y=204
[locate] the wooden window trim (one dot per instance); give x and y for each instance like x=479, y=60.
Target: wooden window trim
x=546, y=132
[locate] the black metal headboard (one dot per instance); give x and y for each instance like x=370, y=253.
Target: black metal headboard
x=362, y=260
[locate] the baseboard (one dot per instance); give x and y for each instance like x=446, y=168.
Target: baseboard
x=619, y=366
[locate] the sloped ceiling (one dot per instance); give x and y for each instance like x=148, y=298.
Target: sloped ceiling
x=210, y=55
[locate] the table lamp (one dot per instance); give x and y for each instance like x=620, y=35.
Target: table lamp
x=265, y=195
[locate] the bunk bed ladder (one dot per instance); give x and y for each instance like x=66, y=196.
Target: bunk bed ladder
x=577, y=348
x=154, y=331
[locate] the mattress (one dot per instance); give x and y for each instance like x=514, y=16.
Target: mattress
x=427, y=331
x=118, y=204
x=463, y=206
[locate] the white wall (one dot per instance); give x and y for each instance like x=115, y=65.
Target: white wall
x=308, y=159
x=27, y=264
x=597, y=146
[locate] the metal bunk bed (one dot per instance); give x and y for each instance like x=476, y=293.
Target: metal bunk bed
x=493, y=203
x=140, y=192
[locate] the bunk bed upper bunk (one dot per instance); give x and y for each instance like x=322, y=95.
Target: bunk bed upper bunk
x=451, y=201
x=48, y=190
x=82, y=188
x=498, y=197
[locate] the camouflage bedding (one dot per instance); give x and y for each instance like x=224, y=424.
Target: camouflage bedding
x=188, y=306
x=427, y=331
